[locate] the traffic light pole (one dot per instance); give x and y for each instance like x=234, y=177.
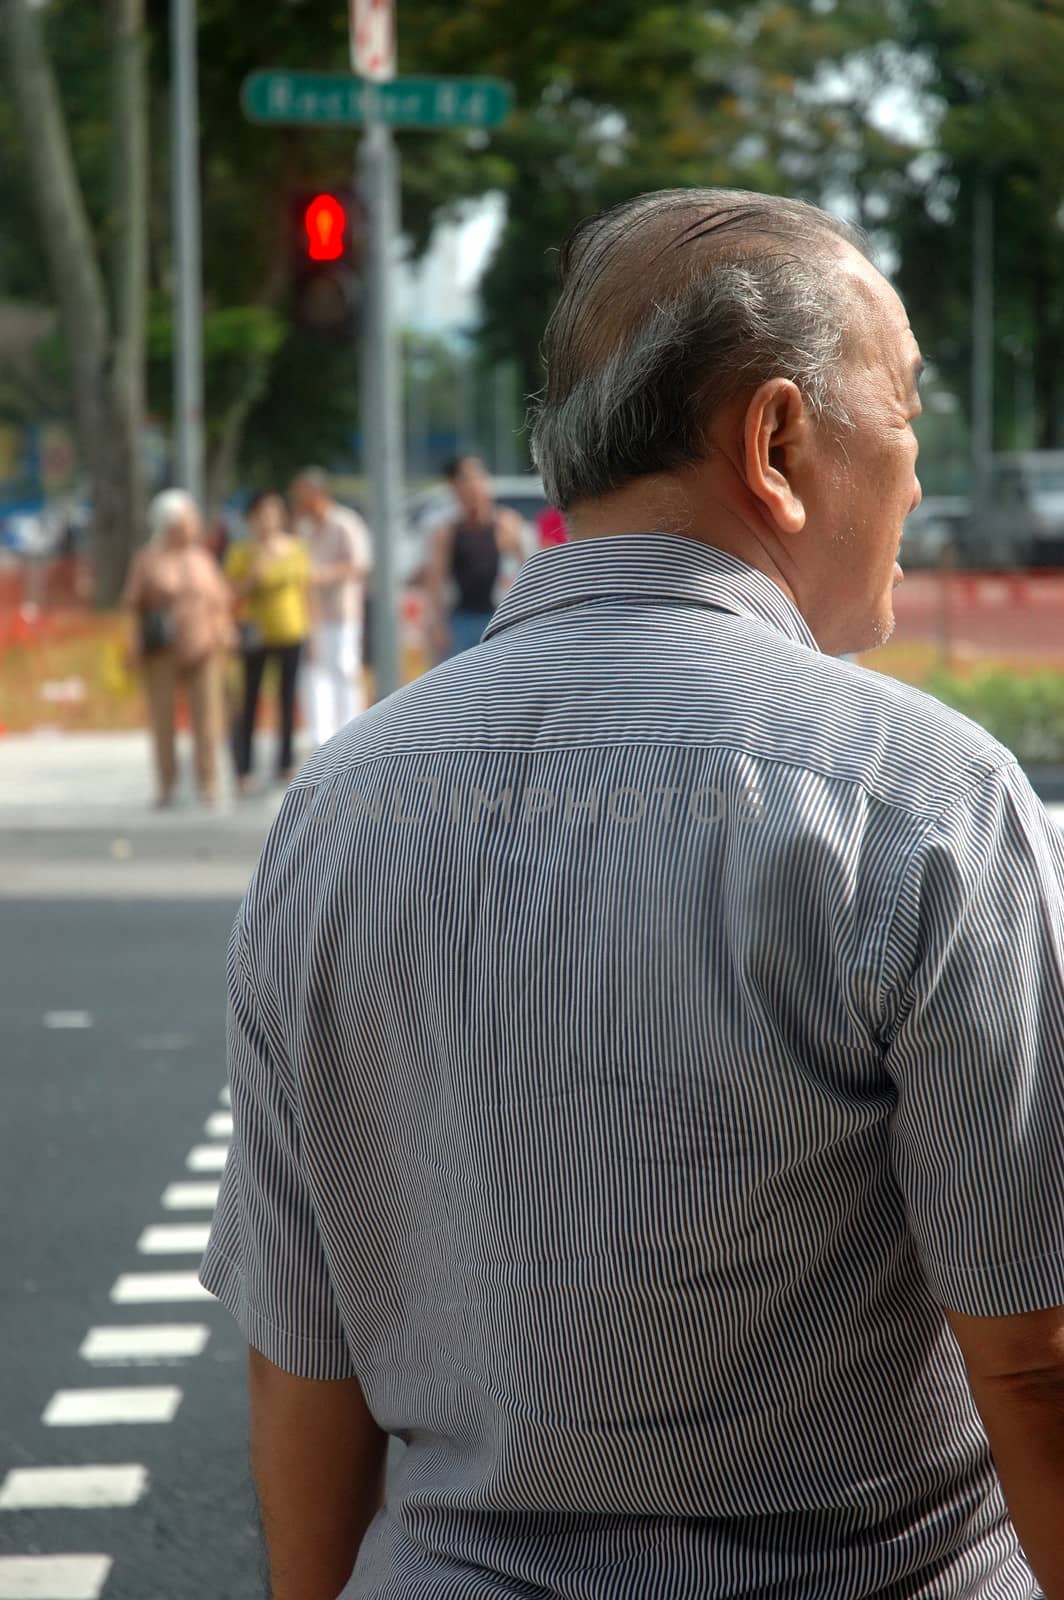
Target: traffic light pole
x=382, y=427
x=188, y=284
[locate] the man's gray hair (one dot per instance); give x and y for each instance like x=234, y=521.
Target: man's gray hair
x=672, y=304
x=166, y=509
x=314, y=478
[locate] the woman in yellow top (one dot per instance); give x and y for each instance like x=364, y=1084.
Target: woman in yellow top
x=269, y=574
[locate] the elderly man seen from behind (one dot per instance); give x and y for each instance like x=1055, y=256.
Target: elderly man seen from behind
x=647, y=1029
x=183, y=627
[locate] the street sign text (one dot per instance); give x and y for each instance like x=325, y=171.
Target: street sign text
x=330, y=100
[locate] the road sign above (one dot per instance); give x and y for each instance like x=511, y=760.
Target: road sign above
x=373, y=39
x=331, y=100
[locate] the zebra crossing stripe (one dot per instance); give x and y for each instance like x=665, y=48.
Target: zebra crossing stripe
x=146, y=1288
x=190, y=1197
x=96, y=1408
x=206, y=1158
x=79, y=1488
x=174, y=1240
x=67, y=1577
x=144, y=1345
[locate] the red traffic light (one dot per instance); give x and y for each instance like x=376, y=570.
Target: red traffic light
x=325, y=221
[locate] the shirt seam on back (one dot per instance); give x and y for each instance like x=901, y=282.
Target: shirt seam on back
x=974, y=770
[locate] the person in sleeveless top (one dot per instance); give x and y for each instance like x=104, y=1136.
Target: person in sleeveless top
x=472, y=558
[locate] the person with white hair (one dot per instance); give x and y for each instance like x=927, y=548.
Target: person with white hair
x=182, y=609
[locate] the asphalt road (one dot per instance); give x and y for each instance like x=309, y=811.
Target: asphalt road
x=100, y=1113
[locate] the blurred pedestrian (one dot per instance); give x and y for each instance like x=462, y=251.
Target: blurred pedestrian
x=648, y=1081
x=270, y=576
x=472, y=558
x=341, y=558
x=183, y=628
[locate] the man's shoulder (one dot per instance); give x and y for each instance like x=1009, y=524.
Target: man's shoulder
x=905, y=746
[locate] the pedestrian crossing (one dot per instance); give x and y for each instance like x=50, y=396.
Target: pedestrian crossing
x=76, y=1488
x=75, y=1577
x=144, y=1345
x=118, y=1410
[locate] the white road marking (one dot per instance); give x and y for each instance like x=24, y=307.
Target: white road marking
x=146, y=1344
x=219, y=1125
x=147, y=1288
x=225, y=1096
x=178, y=1239
x=95, y=1408
x=206, y=1158
x=190, y=1197
x=53, y=1577
x=33, y=1488
x=67, y=1019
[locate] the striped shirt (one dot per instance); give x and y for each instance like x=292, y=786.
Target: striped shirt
x=641, y=1027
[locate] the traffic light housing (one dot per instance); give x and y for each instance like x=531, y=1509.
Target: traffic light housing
x=325, y=231
x=325, y=221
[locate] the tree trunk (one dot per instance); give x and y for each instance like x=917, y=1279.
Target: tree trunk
x=225, y=455
x=64, y=227
x=106, y=384
x=129, y=264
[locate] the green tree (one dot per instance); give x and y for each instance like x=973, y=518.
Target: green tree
x=993, y=75
x=98, y=273
x=623, y=97
x=611, y=99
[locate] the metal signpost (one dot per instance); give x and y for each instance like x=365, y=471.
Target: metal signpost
x=382, y=421
x=378, y=103
x=188, y=287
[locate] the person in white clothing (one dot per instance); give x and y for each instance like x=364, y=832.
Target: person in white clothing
x=341, y=559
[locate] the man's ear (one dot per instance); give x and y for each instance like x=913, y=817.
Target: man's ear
x=775, y=432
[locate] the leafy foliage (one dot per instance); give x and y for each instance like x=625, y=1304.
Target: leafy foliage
x=1025, y=713
x=612, y=99
x=993, y=72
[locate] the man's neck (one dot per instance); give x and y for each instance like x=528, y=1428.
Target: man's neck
x=665, y=505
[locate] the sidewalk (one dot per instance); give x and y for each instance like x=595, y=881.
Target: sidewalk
x=76, y=822
x=87, y=780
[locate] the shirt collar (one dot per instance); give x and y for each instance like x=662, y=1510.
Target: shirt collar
x=655, y=567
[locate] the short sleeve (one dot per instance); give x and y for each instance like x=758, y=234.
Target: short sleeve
x=264, y=1259
x=975, y=1046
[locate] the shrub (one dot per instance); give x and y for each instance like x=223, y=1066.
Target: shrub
x=1026, y=712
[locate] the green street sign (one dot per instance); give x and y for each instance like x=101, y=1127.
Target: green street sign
x=332, y=100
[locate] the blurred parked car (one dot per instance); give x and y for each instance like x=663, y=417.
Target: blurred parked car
x=937, y=523
x=1021, y=523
